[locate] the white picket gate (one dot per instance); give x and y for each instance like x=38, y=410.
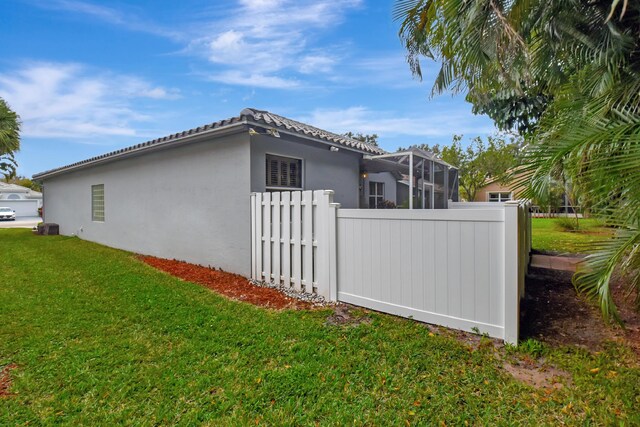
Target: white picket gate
x=459, y=267
x=293, y=240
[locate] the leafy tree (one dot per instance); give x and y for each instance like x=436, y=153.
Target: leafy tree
x=369, y=139
x=566, y=75
x=478, y=163
x=9, y=138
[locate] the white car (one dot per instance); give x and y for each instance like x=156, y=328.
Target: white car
x=7, y=214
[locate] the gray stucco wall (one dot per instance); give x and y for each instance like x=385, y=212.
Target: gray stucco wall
x=189, y=203
x=390, y=184
x=322, y=168
x=402, y=194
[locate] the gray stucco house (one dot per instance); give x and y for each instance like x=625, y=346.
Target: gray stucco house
x=186, y=195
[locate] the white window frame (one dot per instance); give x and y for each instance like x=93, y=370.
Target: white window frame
x=500, y=198
x=375, y=195
x=278, y=188
x=94, y=216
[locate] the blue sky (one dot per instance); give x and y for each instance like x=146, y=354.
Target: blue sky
x=89, y=77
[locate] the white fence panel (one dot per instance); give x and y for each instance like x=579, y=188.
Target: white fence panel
x=462, y=267
x=293, y=240
x=438, y=266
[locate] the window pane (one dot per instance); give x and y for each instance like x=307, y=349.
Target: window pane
x=97, y=202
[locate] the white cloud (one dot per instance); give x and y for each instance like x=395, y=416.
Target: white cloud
x=260, y=4
x=240, y=78
x=112, y=16
x=316, y=64
x=445, y=122
x=266, y=42
x=262, y=43
x=62, y=100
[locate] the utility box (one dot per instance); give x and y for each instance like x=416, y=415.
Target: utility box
x=49, y=229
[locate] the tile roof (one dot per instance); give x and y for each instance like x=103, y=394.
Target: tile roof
x=270, y=119
x=5, y=186
x=15, y=188
x=247, y=116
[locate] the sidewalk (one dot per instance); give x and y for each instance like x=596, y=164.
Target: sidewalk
x=552, y=262
x=21, y=222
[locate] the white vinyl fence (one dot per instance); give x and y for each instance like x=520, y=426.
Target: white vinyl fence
x=458, y=267
x=293, y=240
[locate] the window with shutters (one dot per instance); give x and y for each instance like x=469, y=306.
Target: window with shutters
x=97, y=202
x=284, y=172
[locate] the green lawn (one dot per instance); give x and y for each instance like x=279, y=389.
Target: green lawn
x=548, y=236
x=102, y=339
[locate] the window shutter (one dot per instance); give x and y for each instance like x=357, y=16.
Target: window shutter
x=272, y=179
x=294, y=174
x=283, y=172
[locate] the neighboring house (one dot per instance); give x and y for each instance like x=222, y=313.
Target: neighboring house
x=496, y=191
x=23, y=200
x=186, y=196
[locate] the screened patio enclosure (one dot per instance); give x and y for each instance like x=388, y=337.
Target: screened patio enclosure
x=424, y=181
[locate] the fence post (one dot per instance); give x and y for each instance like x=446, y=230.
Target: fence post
x=511, y=273
x=253, y=237
x=266, y=232
x=296, y=236
x=321, y=260
x=275, y=233
x=333, y=251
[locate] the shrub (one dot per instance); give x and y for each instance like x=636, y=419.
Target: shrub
x=567, y=223
x=387, y=204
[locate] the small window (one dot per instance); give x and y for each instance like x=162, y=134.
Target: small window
x=283, y=172
x=376, y=194
x=13, y=196
x=499, y=197
x=97, y=202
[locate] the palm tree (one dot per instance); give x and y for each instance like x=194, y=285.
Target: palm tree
x=9, y=138
x=566, y=75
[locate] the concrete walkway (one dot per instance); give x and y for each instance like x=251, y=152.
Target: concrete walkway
x=553, y=262
x=21, y=222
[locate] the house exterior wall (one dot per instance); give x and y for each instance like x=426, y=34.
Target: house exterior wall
x=322, y=169
x=390, y=184
x=482, y=195
x=189, y=202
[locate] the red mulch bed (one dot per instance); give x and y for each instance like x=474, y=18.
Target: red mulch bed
x=231, y=285
x=5, y=380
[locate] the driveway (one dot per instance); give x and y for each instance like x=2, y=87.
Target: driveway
x=21, y=222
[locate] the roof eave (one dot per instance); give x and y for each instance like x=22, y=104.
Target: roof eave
x=284, y=130
x=222, y=130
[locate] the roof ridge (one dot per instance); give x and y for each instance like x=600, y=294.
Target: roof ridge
x=171, y=137
x=287, y=123
x=255, y=114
